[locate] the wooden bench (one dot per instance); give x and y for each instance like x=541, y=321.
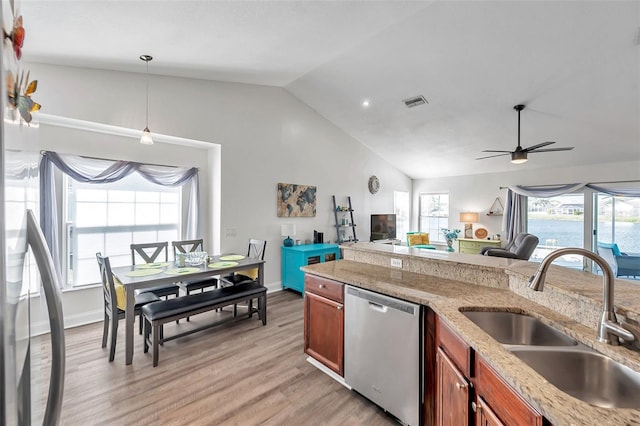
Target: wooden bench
x=156, y=314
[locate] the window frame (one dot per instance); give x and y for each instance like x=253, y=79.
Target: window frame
x=122, y=257
x=435, y=234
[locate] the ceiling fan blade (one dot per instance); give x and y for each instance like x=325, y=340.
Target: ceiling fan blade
x=551, y=149
x=497, y=155
x=540, y=145
x=495, y=150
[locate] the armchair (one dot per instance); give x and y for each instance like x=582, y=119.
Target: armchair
x=521, y=247
x=623, y=264
x=419, y=240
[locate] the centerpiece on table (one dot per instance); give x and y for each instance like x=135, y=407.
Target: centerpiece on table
x=450, y=235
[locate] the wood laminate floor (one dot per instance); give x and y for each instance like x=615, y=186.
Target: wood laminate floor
x=236, y=374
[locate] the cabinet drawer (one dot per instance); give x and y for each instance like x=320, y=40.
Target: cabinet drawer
x=454, y=346
x=325, y=287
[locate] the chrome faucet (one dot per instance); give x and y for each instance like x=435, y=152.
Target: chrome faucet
x=608, y=330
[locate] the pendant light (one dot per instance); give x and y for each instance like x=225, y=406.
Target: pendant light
x=146, y=133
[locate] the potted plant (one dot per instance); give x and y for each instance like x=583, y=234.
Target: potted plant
x=450, y=235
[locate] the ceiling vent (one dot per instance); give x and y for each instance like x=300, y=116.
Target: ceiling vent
x=415, y=101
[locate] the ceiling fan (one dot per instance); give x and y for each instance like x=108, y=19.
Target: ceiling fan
x=519, y=155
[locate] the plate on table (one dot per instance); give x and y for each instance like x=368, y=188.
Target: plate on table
x=481, y=233
x=181, y=271
x=152, y=265
x=232, y=257
x=222, y=264
x=143, y=272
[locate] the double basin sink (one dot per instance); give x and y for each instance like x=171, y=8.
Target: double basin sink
x=572, y=367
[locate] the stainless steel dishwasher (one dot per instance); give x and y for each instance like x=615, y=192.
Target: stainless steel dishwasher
x=383, y=352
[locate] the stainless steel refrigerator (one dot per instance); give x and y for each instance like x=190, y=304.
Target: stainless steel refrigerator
x=31, y=370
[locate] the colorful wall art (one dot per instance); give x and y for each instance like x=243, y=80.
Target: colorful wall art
x=296, y=200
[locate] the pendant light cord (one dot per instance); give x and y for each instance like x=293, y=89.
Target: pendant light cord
x=147, y=121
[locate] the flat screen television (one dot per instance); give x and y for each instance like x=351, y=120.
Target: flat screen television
x=383, y=227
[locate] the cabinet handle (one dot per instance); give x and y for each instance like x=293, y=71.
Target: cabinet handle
x=339, y=307
x=322, y=286
x=476, y=407
x=459, y=386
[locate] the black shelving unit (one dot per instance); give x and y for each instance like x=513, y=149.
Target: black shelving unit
x=346, y=233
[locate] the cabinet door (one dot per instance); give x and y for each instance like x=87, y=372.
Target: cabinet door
x=485, y=415
x=452, y=393
x=504, y=401
x=324, y=331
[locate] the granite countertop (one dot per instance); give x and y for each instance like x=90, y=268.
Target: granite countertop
x=448, y=296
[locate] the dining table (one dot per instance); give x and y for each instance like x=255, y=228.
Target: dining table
x=146, y=275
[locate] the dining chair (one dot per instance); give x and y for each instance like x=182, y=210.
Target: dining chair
x=115, y=303
x=255, y=250
x=187, y=246
x=150, y=253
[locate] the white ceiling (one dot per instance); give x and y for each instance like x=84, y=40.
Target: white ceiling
x=575, y=64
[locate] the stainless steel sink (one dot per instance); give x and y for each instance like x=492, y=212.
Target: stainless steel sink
x=585, y=375
x=517, y=329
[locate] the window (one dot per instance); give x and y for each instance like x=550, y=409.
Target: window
x=618, y=221
x=434, y=215
x=107, y=218
x=557, y=222
x=401, y=209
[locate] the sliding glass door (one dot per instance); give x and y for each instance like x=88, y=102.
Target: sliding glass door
x=557, y=222
x=618, y=221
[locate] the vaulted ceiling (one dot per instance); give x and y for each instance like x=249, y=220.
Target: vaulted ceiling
x=575, y=64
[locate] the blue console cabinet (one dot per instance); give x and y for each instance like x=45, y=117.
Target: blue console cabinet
x=307, y=254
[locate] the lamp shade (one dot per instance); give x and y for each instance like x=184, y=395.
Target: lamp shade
x=146, y=137
x=287, y=229
x=469, y=217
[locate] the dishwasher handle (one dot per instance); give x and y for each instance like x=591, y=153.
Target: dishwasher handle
x=383, y=301
x=377, y=307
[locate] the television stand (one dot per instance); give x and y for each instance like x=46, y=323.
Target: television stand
x=391, y=241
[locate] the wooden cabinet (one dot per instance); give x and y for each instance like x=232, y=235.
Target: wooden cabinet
x=473, y=246
x=499, y=401
x=453, y=369
x=324, y=321
x=307, y=254
x=485, y=415
x=452, y=393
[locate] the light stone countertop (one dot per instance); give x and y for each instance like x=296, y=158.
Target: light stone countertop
x=427, y=283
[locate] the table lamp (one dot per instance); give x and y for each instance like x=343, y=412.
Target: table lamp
x=468, y=218
x=287, y=230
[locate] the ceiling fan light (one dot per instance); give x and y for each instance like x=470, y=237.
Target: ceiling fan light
x=518, y=157
x=146, y=138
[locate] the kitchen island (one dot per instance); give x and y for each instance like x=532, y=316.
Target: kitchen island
x=450, y=282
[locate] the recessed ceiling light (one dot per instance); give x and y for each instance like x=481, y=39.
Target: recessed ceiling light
x=366, y=103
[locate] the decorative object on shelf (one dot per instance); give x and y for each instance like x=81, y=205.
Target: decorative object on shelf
x=468, y=218
x=296, y=200
x=374, y=185
x=481, y=233
x=450, y=235
x=146, y=138
x=496, y=208
x=287, y=230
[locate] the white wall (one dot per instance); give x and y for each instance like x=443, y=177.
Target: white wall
x=477, y=192
x=266, y=136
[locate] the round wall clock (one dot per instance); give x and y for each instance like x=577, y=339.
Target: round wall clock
x=374, y=184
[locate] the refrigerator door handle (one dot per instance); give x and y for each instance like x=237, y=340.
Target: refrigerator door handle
x=51, y=289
